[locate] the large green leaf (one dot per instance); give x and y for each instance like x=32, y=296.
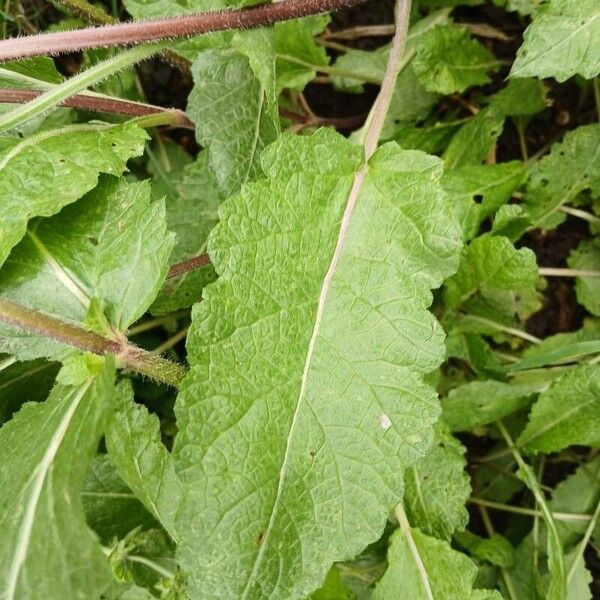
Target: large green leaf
x=44, y=172
x=134, y=445
x=111, y=247
x=292, y=444
x=46, y=549
x=424, y=568
x=562, y=41
x=566, y=413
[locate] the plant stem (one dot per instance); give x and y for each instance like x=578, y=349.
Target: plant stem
x=103, y=104
x=582, y=214
x=584, y=542
x=165, y=29
x=158, y=322
x=127, y=355
x=88, y=11
x=550, y=272
x=518, y=510
x=330, y=70
x=188, y=265
x=76, y=84
x=510, y=330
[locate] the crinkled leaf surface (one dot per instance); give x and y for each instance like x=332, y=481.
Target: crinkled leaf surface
x=111, y=246
x=566, y=413
x=297, y=422
x=438, y=487
x=562, y=41
x=422, y=568
x=490, y=263
x=134, y=445
x=44, y=172
x=572, y=166
x=449, y=60
x=235, y=113
x=46, y=549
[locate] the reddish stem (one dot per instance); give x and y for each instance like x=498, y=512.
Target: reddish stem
x=100, y=104
x=160, y=29
x=188, y=265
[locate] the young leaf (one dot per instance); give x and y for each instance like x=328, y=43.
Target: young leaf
x=521, y=97
x=562, y=41
x=437, y=488
x=280, y=421
x=235, y=132
x=586, y=257
x=424, y=568
x=475, y=139
x=496, y=549
x=490, y=263
x=134, y=445
x=44, y=172
x=111, y=246
x=566, y=413
x=572, y=166
x=483, y=402
x=46, y=549
x=449, y=60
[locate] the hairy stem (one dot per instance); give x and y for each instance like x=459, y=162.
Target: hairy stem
x=128, y=356
x=163, y=29
x=87, y=11
x=76, y=84
x=188, y=265
x=102, y=104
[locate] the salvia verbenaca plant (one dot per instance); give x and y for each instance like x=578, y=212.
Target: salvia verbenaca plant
x=293, y=341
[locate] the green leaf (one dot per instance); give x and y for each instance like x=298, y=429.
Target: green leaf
x=280, y=423
x=482, y=402
x=521, y=97
x=46, y=549
x=423, y=568
x=112, y=246
x=235, y=115
x=334, y=588
x=490, y=263
x=296, y=39
x=579, y=493
x=496, y=549
x=449, y=60
x=475, y=139
x=578, y=586
x=111, y=508
x=572, y=166
x=566, y=413
x=44, y=172
x=562, y=41
x=191, y=214
x=437, y=488
x=134, y=446
x=587, y=258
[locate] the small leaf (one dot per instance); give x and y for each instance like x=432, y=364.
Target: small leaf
x=562, y=41
x=437, y=488
x=46, y=549
x=424, y=568
x=587, y=258
x=496, y=549
x=134, y=446
x=449, y=60
x=521, y=97
x=44, y=172
x=566, y=413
